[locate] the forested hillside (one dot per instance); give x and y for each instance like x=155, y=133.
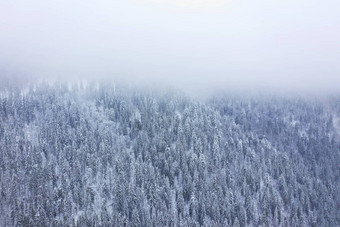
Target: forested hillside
x=106, y=156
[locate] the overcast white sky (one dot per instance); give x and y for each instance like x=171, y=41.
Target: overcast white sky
x=201, y=45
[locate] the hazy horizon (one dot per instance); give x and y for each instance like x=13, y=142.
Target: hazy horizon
x=197, y=46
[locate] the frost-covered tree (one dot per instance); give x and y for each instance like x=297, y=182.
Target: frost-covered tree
x=103, y=156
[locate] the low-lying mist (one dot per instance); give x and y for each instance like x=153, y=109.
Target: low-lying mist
x=200, y=48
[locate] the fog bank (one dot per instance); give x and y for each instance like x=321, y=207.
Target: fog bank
x=198, y=46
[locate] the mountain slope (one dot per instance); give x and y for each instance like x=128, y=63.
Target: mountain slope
x=106, y=156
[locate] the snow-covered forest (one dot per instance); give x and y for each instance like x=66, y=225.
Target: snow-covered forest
x=117, y=156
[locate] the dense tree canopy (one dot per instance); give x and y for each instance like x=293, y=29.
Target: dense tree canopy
x=106, y=156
